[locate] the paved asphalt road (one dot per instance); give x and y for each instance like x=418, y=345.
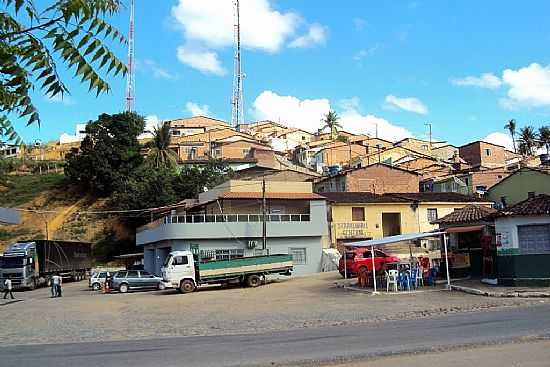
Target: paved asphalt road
x=291, y=347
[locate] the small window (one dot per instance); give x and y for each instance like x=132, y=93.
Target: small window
x=298, y=255
x=499, y=176
x=358, y=214
x=144, y=274
x=180, y=260
x=488, y=152
x=218, y=152
x=303, y=137
x=432, y=215
x=424, y=147
x=175, y=132
x=132, y=274
x=120, y=274
x=246, y=151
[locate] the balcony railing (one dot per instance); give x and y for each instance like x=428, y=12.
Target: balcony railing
x=225, y=218
x=228, y=218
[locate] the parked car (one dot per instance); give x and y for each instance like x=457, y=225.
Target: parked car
x=361, y=258
x=97, y=280
x=123, y=281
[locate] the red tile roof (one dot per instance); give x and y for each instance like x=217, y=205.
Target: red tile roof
x=470, y=213
x=432, y=197
x=538, y=205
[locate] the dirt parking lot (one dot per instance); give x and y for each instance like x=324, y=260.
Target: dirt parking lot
x=84, y=315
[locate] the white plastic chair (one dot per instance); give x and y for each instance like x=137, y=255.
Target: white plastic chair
x=391, y=278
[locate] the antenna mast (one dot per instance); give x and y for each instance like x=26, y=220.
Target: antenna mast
x=130, y=75
x=237, y=111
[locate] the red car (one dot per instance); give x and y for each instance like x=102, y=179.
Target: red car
x=361, y=258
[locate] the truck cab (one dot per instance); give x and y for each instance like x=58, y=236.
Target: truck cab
x=19, y=263
x=180, y=266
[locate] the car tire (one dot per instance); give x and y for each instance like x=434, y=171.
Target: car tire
x=253, y=281
x=161, y=286
x=123, y=288
x=187, y=286
x=96, y=286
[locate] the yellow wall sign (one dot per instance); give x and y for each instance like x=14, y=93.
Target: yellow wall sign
x=351, y=230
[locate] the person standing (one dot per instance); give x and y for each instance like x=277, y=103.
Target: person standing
x=8, y=288
x=52, y=285
x=56, y=284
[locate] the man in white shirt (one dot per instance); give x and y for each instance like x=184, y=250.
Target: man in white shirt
x=56, y=281
x=8, y=288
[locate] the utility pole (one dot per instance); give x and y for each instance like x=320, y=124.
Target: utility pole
x=264, y=224
x=349, y=146
x=429, y=124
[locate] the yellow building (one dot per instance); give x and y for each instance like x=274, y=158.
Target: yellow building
x=355, y=216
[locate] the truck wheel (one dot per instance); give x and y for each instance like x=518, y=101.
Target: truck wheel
x=123, y=288
x=187, y=286
x=32, y=287
x=253, y=281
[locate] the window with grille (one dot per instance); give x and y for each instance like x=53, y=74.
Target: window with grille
x=225, y=254
x=298, y=255
x=432, y=215
x=358, y=214
x=534, y=239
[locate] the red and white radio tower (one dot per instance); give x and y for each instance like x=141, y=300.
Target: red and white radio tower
x=130, y=75
x=237, y=110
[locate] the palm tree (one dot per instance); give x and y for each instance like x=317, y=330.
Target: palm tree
x=511, y=126
x=544, y=138
x=527, y=140
x=160, y=155
x=331, y=121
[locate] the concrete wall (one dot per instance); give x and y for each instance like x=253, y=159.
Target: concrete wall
x=155, y=254
x=516, y=187
x=412, y=221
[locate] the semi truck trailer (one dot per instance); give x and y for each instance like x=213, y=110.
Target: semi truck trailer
x=30, y=264
x=185, y=272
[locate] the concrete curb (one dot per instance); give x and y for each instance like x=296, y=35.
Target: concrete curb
x=479, y=292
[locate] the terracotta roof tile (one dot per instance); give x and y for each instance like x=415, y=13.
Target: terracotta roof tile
x=538, y=205
x=447, y=197
x=470, y=213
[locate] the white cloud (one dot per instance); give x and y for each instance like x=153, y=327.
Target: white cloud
x=316, y=35
x=410, y=104
x=528, y=86
x=65, y=100
x=207, y=25
x=487, y=81
x=206, y=62
x=366, y=52
x=197, y=110
x=151, y=67
x=500, y=139
x=307, y=114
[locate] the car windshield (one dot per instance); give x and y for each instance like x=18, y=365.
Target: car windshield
x=12, y=262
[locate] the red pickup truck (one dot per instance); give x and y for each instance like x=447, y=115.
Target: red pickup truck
x=361, y=258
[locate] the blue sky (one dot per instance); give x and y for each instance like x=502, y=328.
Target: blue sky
x=465, y=66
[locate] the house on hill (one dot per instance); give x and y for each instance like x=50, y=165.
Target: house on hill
x=195, y=125
x=377, y=178
x=520, y=185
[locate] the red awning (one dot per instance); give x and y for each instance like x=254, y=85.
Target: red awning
x=464, y=229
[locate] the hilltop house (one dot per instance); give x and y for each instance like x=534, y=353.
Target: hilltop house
x=520, y=185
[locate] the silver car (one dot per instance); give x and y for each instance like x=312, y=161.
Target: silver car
x=123, y=281
x=97, y=280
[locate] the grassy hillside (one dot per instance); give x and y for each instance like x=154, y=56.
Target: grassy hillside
x=21, y=189
x=61, y=207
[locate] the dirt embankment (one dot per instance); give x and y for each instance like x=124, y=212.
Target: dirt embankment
x=60, y=212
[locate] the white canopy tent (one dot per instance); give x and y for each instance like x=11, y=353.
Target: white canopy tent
x=400, y=238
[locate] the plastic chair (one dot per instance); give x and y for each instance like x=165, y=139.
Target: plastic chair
x=391, y=278
x=419, y=276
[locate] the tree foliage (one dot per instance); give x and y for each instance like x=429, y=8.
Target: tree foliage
x=160, y=155
x=527, y=140
x=194, y=179
x=108, y=154
x=35, y=41
x=331, y=122
x=511, y=127
x=544, y=138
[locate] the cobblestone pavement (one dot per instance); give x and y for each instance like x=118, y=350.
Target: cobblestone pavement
x=314, y=301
